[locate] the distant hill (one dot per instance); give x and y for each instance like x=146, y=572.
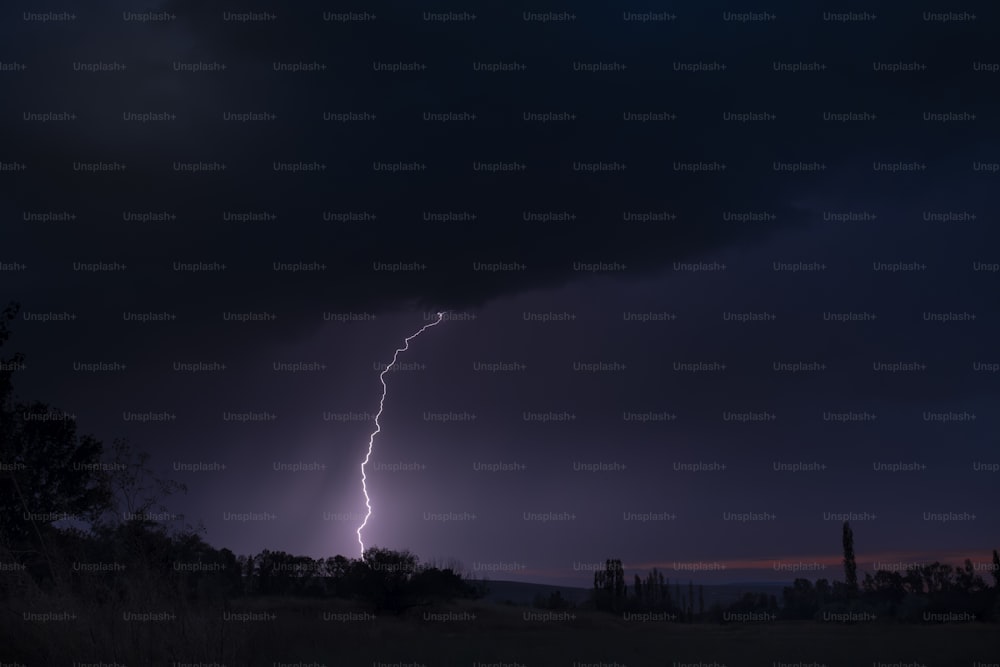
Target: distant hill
x=523, y=593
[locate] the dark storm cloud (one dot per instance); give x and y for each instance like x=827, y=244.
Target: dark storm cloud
x=399, y=234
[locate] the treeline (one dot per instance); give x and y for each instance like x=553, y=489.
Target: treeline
x=144, y=559
x=115, y=561
x=390, y=580
x=934, y=592
x=655, y=594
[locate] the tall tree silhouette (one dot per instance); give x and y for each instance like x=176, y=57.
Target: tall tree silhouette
x=690, y=607
x=600, y=588
x=619, y=582
x=850, y=566
x=609, y=585
x=50, y=472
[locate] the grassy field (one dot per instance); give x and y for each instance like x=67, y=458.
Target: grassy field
x=302, y=632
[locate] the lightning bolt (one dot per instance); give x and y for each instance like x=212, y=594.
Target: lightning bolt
x=378, y=427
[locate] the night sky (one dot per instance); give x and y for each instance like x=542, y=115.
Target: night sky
x=747, y=268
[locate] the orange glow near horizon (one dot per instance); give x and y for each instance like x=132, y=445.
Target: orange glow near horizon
x=865, y=562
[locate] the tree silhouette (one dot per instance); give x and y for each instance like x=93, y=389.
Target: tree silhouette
x=554, y=600
x=800, y=600
x=885, y=585
x=619, y=582
x=137, y=491
x=690, y=605
x=442, y=584
x=602, y=594
x=850, y=567
x=49, y=471
x=387, y=574
x=913, y=581
x=967, y=580
x=823, y=592
x=609, y=585
x=938, y=578
x=655, y=592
